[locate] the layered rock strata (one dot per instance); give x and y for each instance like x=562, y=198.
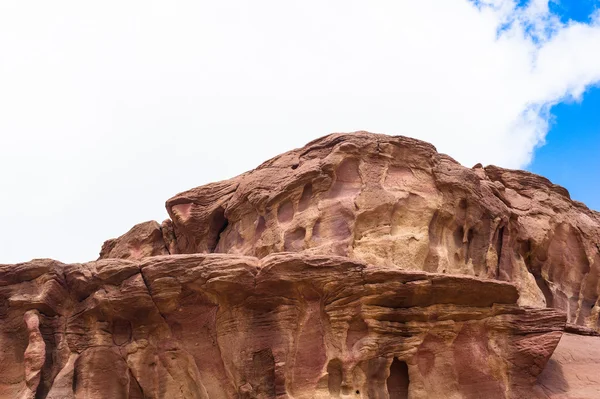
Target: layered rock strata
x=288, y=325
x=359, y=266
x=395, y=201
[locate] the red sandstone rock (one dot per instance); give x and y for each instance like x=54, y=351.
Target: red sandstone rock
x=144, y=239
x=363, y=266
x=35, y=353
x=395, y=201
x=289, y=325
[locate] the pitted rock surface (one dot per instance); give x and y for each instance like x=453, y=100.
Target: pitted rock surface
x=395, y=201
x=287, y=325
x=359, y=266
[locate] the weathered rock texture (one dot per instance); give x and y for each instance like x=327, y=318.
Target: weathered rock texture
x=360, y=266
x=144, y=239
x=395, y=201
x=289, y=325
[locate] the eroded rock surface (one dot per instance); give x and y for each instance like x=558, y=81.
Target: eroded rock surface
x=359, y=266
x=395, y=201
x=288, y=325
x=144, y=239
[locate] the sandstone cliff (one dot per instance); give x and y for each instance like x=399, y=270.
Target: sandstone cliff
x=396, y=202
x=361, y=265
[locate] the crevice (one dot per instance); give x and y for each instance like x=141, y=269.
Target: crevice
x=459, y=236
x=527, y=250
x=543, y=286
x=470, y=237
x=334, y=377
x=221, y=230
x=74, y=381
x=218, y=224
x=152, y=298
x=165, y=244
x=398, y=381
x=499, y=245
x=133, y=384
x=132, y=378
x=167, y=325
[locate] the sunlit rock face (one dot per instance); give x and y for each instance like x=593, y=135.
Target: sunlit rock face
x=360, y=266
x=395, y=201
x=288, y=325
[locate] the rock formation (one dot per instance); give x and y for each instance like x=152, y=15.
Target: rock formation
x=395, y=201
x=359, y=266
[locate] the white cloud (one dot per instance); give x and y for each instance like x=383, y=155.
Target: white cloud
x=109, y=108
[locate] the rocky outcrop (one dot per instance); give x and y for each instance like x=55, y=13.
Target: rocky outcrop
x=361, y=265
x=395, y=201
x=288, y=325
x=144, y=239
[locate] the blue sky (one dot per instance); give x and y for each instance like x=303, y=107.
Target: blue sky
x=574, y=10
x=571, y=155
